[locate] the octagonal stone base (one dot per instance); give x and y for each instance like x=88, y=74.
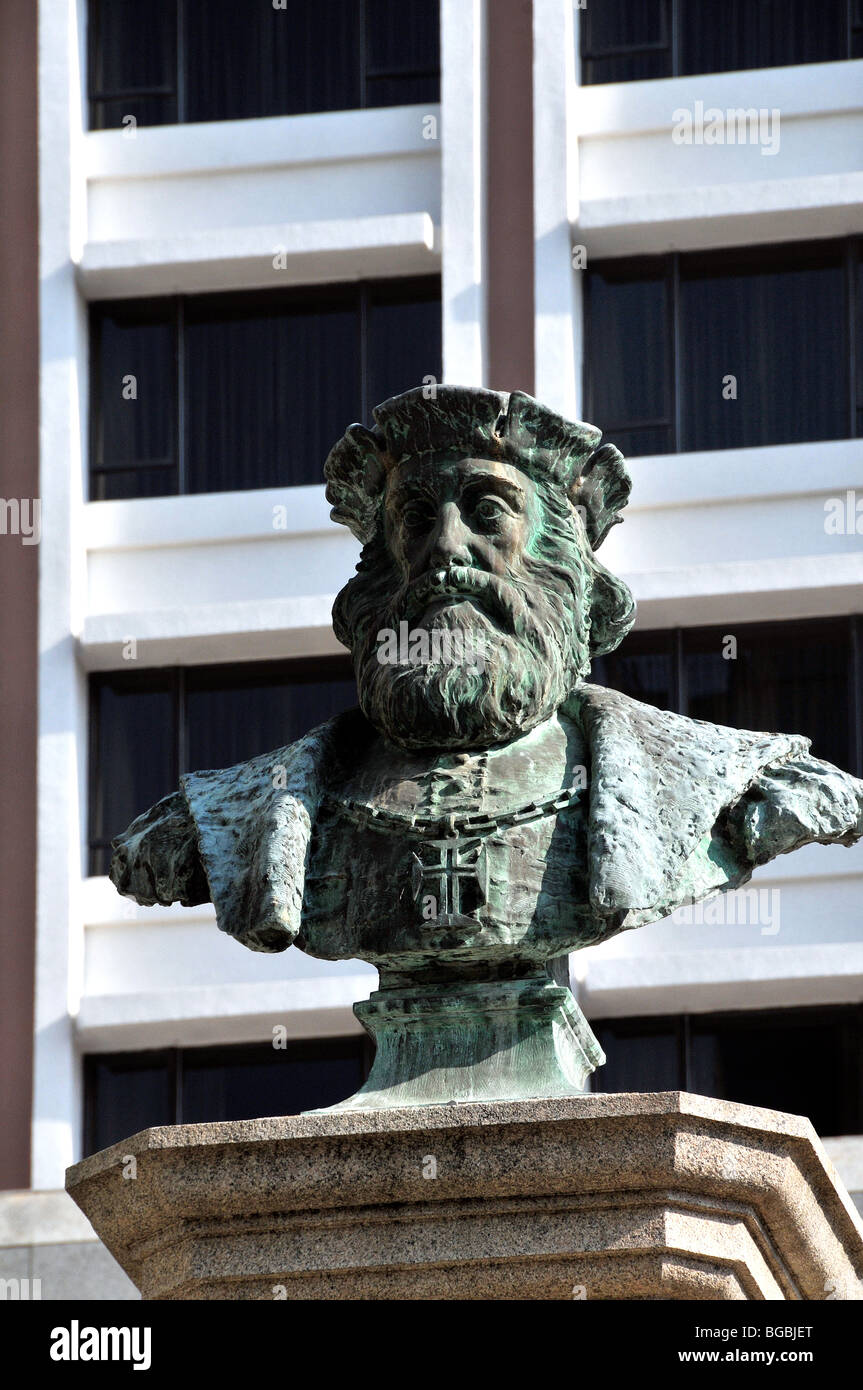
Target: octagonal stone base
x=656, y=1196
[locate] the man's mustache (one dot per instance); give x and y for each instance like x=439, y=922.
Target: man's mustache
x=500, y=598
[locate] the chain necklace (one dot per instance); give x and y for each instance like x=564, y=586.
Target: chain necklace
x=448, y=827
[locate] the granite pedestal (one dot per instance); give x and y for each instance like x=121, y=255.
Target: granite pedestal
x=643, y=1196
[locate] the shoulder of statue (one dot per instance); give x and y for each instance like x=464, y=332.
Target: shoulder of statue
x=659, y=783
x=168, y=853
x=612, y=718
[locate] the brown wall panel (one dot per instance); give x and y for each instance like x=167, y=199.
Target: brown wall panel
x=509, y=203
x=19, y=479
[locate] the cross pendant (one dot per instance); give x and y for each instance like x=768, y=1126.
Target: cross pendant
x=454, y=869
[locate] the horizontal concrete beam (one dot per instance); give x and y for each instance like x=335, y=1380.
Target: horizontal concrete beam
x=720, y=215
x=144, y=523
x=702, y=981
x=229, y=1013
x=627, y=108
x=747, y=591
x=269, y=142
x=292, y=253
x=273, y=629
x=195, y=635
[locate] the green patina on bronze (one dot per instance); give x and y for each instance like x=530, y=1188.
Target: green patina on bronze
x=486, y=810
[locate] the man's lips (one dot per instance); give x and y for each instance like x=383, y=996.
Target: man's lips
x=453, y=582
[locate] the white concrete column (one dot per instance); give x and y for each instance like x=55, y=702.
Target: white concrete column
x=463, y=105
x=557, y=287
x=62, y=687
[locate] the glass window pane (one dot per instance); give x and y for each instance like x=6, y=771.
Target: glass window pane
x=803, y=1061
x=236, y=713
x=404, y=340
x=269, y=389
x=243, y=1083
x=774, y=318
x=623, y=24
x=792, y=678
x=643, y=668
x=132, y=47
x=125, y=1094
x=771, y=33
x=633, y=36
x=134, y=748
x=402, y=52
x=134, y=383
x=629, y=328
x=657, y=439
x=409, y=89
x=254, y=60
x=642, y=1055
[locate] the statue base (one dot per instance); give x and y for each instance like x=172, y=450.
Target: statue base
x=478, y=1041
x=657, y=1196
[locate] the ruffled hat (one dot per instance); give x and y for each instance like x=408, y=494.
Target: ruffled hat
x=511, y=427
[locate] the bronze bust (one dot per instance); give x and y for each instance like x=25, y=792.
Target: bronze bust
x=486, y=810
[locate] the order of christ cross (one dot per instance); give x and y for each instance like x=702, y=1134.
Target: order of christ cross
x=454, y=870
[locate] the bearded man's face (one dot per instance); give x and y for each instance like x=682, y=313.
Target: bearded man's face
x=479, y=551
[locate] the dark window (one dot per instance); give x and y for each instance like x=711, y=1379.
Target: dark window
x=146, y=728
x=217, y=393
x=804, y=1061
x=665, y=335
x=625, y=40
x=645, y=668
x=133, y=391
x=775, y=318
x=129, y=1091
x=785, y=677
x=802, y=677
x=134, y=746
x=629, y=372
x=126, y=1093
x=630, y=40
x=132, y=62
x=164, y=61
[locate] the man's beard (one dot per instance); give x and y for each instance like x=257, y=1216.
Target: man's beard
x=530, y=640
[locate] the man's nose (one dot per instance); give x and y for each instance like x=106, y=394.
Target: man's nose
x=450, y=541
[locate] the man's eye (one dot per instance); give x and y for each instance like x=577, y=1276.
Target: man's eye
x=489, y=509
x=415, y=518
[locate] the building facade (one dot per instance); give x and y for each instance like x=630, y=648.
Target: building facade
x=249, y=232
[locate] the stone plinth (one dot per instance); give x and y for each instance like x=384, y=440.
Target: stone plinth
x=658, y=1196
